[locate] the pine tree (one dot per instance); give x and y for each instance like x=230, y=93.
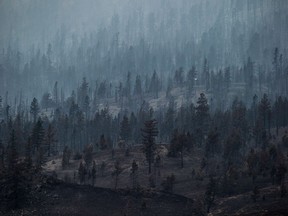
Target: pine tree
x=103, y=142
x=169, y=88
x=50, y=141
x=212, y=143
x=93, y=173
x=66, y=157
x=102, y=168
x=134, y=174
x=28, y=153
x=182, y=143
x=34, y=109
x=249, y=78
x=202, y=115
x=179, y=144
x=179, y=76
x=227, y=79
x=202, y=108
x=88, y=155
x=265, y=111
x=128, y=86
x=149, y=132
x=125, y=129
x=2, y=156
x=56, y=94
x=169, y=118
x=86, y=106
x=37, y=135
x=232, y=146
x=17, y=185
x=117, y=171
x=82, y=173
x=191, y=76
x=83, y=92
x=12, y=152
x=138, y=87
x=46, y=101
x=37, y=143
x=206, y=75
x=155, y=85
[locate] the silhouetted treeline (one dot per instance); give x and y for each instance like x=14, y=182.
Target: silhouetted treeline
x=51, y=125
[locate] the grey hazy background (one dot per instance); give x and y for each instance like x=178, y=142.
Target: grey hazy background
x=104, y=39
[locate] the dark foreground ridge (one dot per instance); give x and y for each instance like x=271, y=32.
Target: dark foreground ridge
x=59, y=198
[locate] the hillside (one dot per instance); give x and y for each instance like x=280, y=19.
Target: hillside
x=191, y=182
x=58, y=198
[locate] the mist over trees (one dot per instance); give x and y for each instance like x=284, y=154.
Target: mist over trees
x=100, y=41
x=181, y=97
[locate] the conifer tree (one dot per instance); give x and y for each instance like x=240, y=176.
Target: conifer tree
x=125, y=129
x=82, y=173
x=93, y=173
x=88, y=155
x=2, y=156
x=116, y=172
x=34, y=109
x=134, y=174
x=17, y=185
x=50, y=141
x=12, y=152
x=212, y=143
x=149, y=132
x=168, y=183
x=191, y=76
x=28, y=153
x=202, y=116
x=138, y=87
x=66, y=157
x=265, y=111
x=37, y=135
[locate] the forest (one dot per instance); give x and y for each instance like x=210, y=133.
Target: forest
x=143, y=107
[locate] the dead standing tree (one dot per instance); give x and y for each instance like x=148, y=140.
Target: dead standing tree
x=149, y=132
x=116, y=172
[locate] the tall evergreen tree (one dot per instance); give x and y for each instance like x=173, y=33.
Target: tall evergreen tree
x=155, y=85
x=202, y=116
x=38, y=135
x=50, y=141
x=34, y=109
x=125, y=129
x=56, y=94
x=134, y=174
x=138, y=87
x=206, y=75
x=28, y=153
x=149, y=132
x=191, y=76
x=12, y=157
x=212, y=143
x=265, y=111
x=116, y=172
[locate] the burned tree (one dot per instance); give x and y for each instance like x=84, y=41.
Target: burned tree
x=149, y=132
x=116, y=172
x=134, y=174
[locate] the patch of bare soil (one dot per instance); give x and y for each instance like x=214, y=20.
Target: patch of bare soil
x=269, y=203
